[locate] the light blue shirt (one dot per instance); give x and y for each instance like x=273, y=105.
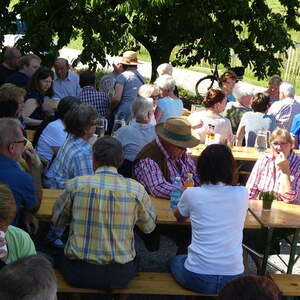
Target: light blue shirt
x=295, y=130
x=134, y=137
x=66, y=87
x=170, y=108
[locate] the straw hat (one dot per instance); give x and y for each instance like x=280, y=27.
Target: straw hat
x=129, y=58
x=177, y=131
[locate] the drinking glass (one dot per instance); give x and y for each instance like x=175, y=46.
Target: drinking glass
x=261, y=141
x=118, y=123
x=101, y=127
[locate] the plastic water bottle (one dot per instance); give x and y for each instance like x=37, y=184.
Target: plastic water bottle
x=189, y=182
x=176, y=193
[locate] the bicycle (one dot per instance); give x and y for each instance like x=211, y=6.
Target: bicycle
x=212, y=81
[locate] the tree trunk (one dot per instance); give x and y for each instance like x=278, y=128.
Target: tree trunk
x=158, y=56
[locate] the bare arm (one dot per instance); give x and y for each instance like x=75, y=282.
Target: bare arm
x=29, y=107
x=116, y=98
x=179, y=217
x=240, y=135
x=158, y=114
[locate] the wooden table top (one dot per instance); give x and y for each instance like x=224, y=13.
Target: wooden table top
x=239, y=153
x=162, y=207
x=282, y=215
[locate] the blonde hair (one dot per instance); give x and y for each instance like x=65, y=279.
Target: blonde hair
x=7, y=205
x=10, y=92
x=283, y=133
x=146, y=90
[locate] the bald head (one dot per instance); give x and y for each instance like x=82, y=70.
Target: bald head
x=61, y=66
x=12, y=58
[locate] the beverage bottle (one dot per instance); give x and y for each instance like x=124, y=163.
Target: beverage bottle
x=189, y=182
x=176, y=193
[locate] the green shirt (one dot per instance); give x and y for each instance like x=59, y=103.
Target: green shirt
x=19, y=244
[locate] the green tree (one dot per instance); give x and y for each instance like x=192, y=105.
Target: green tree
x=211, y=30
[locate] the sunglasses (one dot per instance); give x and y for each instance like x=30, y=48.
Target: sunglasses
x=155, y=97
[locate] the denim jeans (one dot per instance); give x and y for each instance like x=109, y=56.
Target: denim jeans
x=202, y=283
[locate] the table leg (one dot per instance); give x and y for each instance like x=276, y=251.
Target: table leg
x=263, y=267
x=293, y=251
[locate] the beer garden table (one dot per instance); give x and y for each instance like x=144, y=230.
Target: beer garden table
x=282, y=215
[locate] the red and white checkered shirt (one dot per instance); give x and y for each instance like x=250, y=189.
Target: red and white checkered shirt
x=266, y=177
x=150, y=176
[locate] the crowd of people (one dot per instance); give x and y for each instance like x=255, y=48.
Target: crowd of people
x=107, y=182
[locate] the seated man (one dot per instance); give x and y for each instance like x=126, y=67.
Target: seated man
x=165, y=158
x=74, y=158
x=26, y=187
x=65, y=83
x=31, y=278
x=102, y=210
x=90, y=96
x=10, y=64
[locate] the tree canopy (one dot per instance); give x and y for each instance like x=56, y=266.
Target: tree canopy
x=212, y=30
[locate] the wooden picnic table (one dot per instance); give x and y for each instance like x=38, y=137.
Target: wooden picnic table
x=282, y=215
x=162, y=206
x=239, y=153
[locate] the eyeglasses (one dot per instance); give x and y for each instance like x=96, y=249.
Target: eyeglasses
x=282, y=144
x=155, y=97
x=24, y=142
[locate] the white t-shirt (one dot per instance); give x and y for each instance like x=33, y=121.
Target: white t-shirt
x=53, y=135
x=222, y=125
x=217, y=214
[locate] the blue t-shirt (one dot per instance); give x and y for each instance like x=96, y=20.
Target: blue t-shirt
x=21, y=185
x=170, y=108
x=295, y=129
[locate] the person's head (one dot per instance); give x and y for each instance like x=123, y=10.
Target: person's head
x=29, y=64
x=227, y=81
x=166, y=84
x=11, y=100
x=215, y=100
x=62, y=67
x=42, y=81
x=12, y=57
x=81, y=121
x=175, y=134
x=275, y=82
x=286, y=90
x=243, y=94
x=66, y=104
x=216, y=164
x=129, y=60
x=281, y=141
x=149, y=90
x=107, y=151
x=250, y=287
x=7, y=207
x=29, y=278
x=12, y=141
x=260, y=102
x=165, y=69
x=142, y=109
x=87, y=78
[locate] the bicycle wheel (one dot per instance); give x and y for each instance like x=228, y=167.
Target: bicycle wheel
x=204, y=84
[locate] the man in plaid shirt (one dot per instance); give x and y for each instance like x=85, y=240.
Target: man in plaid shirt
x=102, y=210
x=89, y=95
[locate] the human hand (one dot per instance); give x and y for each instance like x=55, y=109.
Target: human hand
x=30, y=222
x=282, y=163
x=31, y=159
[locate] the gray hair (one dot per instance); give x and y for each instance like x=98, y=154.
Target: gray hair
x=146, y=90
x=29, y=278
x=140, y=107
x=241, y=90
x=287, y=89
x=8, y=131
x=107, y=151
x=164, y=68
x=166, y=82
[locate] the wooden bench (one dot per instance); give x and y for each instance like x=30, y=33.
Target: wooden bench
x=147, y=283
x=288, y=284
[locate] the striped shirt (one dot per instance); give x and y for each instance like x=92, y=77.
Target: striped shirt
x=150, y=176
x=266, y=177
x=102, y=210
x=284, y=112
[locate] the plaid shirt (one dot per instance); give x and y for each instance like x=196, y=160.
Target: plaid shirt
x=266, y=177
x=150, y=176
x=74, y=158
x=102, y=210
x=89, y=95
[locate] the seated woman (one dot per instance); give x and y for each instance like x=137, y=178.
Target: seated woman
x=253, y=121
x=278, y=171
x=227, y=83
x=214, y=103
x=51, y=134
x=215, y=254
x=273, y=89
x=40, y=88
x=135, y=136
x=16, y=243
x=169, y=105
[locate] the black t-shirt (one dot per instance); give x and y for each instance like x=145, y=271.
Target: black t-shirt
x=5, y=73
x=19, y=79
